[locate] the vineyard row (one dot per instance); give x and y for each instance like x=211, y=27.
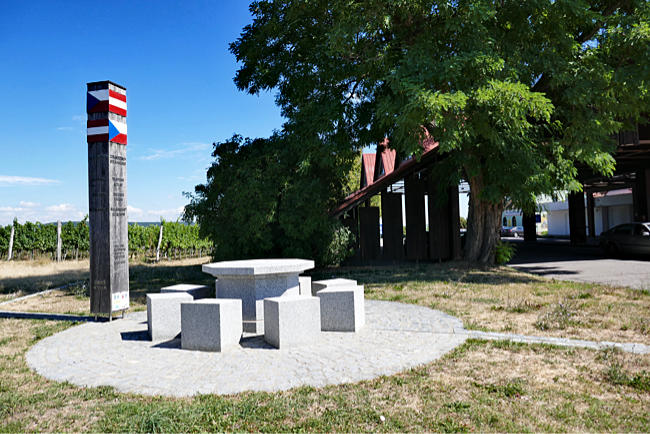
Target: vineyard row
x=31, y=240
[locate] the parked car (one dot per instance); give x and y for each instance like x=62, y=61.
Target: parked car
x=515, y=231
x=627, y=238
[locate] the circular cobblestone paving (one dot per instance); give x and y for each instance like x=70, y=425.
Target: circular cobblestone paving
x=396, y=337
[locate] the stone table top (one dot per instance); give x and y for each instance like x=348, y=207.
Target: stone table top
x=258, y=267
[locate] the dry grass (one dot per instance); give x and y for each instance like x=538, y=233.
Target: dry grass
x=29, y=402
x=53, y=302
x=506, y=300
x=481, y=386
x=21, y=278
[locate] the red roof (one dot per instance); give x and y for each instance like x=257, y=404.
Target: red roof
x=407, y=167
x=367, y=169
x=613, y=192
x=386, y=162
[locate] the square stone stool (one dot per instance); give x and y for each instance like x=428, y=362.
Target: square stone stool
x=291, y=321
x=305, y=285
x=211, y=324
x=342, y=308
x=164, y=314
x=196, y=291
x=329, y=283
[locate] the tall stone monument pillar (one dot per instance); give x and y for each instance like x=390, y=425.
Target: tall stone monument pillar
x=109, y=243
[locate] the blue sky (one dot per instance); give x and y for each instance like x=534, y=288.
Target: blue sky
x=173, y=59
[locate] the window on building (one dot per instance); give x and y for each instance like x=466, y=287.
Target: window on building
x=505, y=221
x=514, y=221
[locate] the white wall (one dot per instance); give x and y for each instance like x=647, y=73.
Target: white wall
x=620, y=214
x=609, y=211
x=558, y=222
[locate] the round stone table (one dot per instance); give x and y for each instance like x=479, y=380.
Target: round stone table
x=253, y=280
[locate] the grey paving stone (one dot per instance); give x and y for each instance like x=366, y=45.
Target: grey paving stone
x=396, y=337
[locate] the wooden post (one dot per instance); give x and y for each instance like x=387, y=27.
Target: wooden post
x=439, y=221
x=577, y=227
x=159, y=242
x=369, y=232
x=530, y=227
x=416, y=232
x=591, y=218
x=58, y=241
x=454, y=212
x=641, y=196
x=11, y=243
x=392, y=226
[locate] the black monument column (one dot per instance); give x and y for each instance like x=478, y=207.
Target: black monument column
x=107, y=199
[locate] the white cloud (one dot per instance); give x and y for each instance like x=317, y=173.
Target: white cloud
x=10, y=209
x=34, y=212
x=64, y=129
x=133, y=210
x=154, y=215
x=61, y=208
x=182, y=149
x=78, y=118
x=28, y=204
x=7, y=180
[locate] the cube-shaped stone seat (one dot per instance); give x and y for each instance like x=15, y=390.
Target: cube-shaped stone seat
x=342, y=308
x=164, y=314
x=330, y=283
x=211, y=324
x=305, y=285
x=196, y=291
x=291, y=321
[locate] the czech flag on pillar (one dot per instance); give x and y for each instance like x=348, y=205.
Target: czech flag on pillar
x=106, y=114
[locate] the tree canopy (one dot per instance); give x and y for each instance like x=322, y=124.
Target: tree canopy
x=518, y=94
x=268, y=197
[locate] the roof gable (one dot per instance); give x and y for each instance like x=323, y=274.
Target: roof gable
x=367, y=169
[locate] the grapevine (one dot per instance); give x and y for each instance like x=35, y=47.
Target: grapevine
x=33, y=240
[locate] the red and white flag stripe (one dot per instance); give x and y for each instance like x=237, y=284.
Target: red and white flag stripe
x=109, y=100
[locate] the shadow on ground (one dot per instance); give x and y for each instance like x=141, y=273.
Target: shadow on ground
x=544, y=271
x=144, y=278
x=456, y=271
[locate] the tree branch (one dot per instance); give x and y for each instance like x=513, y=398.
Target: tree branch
x=352, y=92
x=543, y=82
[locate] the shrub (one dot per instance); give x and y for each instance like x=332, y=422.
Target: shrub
x=559, y=318
x=340, y=248
x=504, y=252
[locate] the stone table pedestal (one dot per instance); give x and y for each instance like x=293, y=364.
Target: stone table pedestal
x=254, y=280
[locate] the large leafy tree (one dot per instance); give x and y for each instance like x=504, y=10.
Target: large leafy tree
x=269, y=197
x=518, y=94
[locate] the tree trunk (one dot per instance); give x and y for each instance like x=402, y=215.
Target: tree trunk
x=483, y=223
